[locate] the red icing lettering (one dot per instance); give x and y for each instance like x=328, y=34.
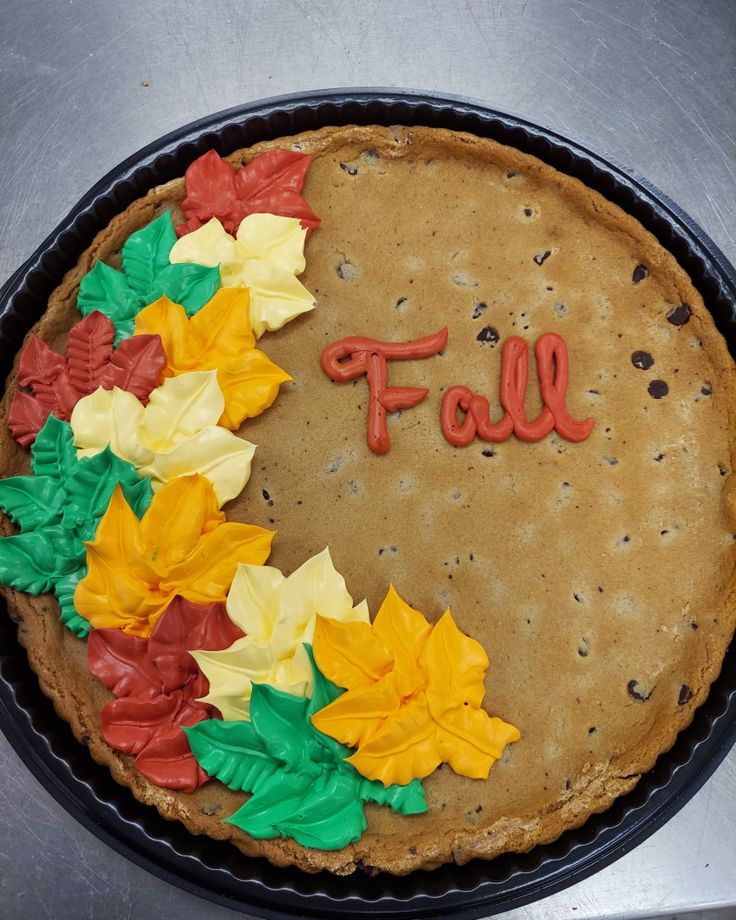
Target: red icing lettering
x=354, y=356
x=552, y=370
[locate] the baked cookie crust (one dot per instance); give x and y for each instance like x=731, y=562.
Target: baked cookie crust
x=599, y=576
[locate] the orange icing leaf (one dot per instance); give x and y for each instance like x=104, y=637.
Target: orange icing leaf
x=356, y=657
x=413, y=695
x=182, y=545
x=218, y=337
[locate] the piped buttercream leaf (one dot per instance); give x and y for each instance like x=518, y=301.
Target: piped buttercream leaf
x=321, y=812
x=31, y=501
x=32, y=561
x=64, y=589
x=53, y=451
x=270, y=184
x=88, y=350
x=146, y=253
x=147, y=275
x=233, y=753
x=265, y=258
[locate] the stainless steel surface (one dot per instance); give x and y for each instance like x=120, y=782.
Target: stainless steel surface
x=84, y=83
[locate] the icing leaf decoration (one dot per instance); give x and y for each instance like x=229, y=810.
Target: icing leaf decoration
x=157, y=682
x=217, y=338
x=176, y=434
x=57, y=509
x=277, y=615
x=413, y=699
x=270, y=184
x=265, y=256
x=182, y=545
x=58, y=382
x=146, y=275
x=302, y=785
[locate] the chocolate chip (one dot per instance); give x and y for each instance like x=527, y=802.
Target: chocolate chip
x=349, y=169
x=636, y=693
x=478, y=809
x=488, y=335
x=479, y=309
x=265, y=494
x=657, y=389
x=678, y=316
x=693, y=625
x=583, y=652
x=642, y=359
x=568, y=784
x=541, y=257
x=659, y=458
x=511, y=173
x=528, y=212
x=488, y=452
x=577, y=597
x=400, y=303
x=706, y=389
x=685, y=695
x=346, y=271
x=640, y=273
x=591, y=730
x=722, y=470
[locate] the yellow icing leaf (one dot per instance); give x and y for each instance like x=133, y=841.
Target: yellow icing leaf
x=182, y=545
x=456, y=664
x=278, y=614
x=413, y=698
x=404, y=749
x=176, y=434
x=355, y=656
x=218, y=338
x=265, y=257
x=357, y=717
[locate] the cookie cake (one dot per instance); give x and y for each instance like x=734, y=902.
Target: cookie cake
x=369, y=501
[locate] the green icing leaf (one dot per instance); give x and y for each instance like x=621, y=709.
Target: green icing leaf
x=58, y=509
x=188, y=284
x=280, y=720
x=90, y=488
x=408, y=800
x=53, y=453
x=322, y=812
x=64, y=589
x=107, y=290
x=33, y=561
x=146, y=253
x=302, y=785
x=147, y=274
x=31, y=501
x=233, y=753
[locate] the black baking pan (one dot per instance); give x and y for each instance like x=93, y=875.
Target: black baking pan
x=217, y=870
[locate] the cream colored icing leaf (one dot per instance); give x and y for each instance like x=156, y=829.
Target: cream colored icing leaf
x=253, y=596
x=109, y=417
x=276, y=240
x=181, y=407
x=210, y=245
x=221, y=456
x=278, y=614
x=276, y=297
x=265, y=258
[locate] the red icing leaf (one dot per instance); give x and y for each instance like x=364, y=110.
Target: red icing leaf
x=167, y=760
x=270, y=184
x=88, y=350
x=137, y=365
x=158, y=683
x=39, y=364
x=188, y=626
x=58, y=381
x=26, y=418
x=120, y=662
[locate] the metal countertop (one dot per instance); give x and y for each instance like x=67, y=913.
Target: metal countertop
x=84, y=83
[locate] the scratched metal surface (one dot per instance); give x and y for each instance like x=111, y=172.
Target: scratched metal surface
x=649, y=83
